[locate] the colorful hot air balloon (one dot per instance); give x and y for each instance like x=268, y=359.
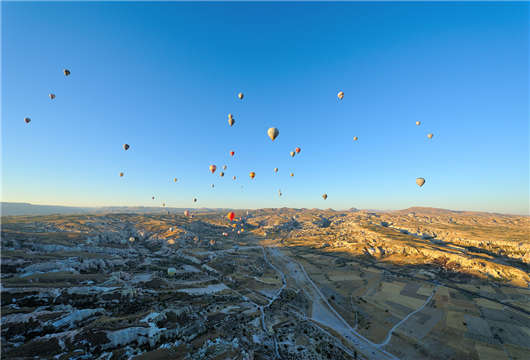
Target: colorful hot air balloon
x=292, y=153
x=121, y=174
x=325, y=196
x=340, y=95
x=232, y=153
x=231, y=120
x=231, y=215
x=126, y=147
x=27, y=120
x=355, y=138
x=52, y=96
x=429, y=136
x=240, y=96
x=221, y=174
x=213, y=168
x=273, y=133
x=252, y=174
x=297, y=150
x=420, y=181
x=418, y=123
x=66, y=72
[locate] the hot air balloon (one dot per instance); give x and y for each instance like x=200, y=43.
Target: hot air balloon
x=292, y=153
x=418, y=123
x=164, y=204
x=240, y=96
x=232, y=153
x=212, y=242
x=340, y=95
x=252, y=174
x=153, y=197
x=273, y=133
x=52, y=96
x=132, y=239
x=213, y=185
x=194, y=199
x=126, y=147
x=325, y=196
x=420, y=181
x=27, y=120
x=355, y=138
x=213, y=168
x=275, y=169
x=221, y=174
x=234, y=177
x=186, y=213
x=66, y=72
x=224, y=167
x=175, y=179
x=121, y=174
x=292, y=174
x=429, y=136
x=297, y=150
x=231, y=120
x=171, y=271
x=231, y=215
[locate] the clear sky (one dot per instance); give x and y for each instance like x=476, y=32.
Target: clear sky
x=163, y=77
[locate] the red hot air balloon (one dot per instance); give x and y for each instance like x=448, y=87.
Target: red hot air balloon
x=232, y=153
x=213, y=168
x=231, y=215
x=297, y=150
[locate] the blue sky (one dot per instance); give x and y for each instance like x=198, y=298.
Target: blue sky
x=163, y=77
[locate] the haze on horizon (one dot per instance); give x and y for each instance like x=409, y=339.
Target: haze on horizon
x=164, y=78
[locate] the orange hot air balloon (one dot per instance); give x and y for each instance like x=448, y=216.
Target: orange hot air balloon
x=252, y=174
x=121, y=174
x=297, y=150
x=355, y=138
x=232, y=153
x=231, y=215
x=292, y=174
x=213, y=168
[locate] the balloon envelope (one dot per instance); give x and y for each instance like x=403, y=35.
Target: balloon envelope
x=52, y=96
x=66, y=72
x=325, y=196
x=212, y=168
x=418, y=123
x=121, y=174
x=232, y=153
x=273, y=133
x=240, y=96
x=275, y=169
x=297, y=150
x=420, y=181
x=231, y=215
x=355, y=138
x=126, y=146
x=429, y=136
x=340, y=95
x=252, y=174
x=292, y=153
x=221, y=174
x=27, y=120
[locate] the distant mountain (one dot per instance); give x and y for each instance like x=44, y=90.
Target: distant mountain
x=13, y=209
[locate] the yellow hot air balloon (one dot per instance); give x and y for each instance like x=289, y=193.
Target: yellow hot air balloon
x=340, y=95
x=175, y=179
x=292, y=174
x=231, y=120
x=252, y=174
x=52, y=96
x=273, y=133
x=221, y=174
x=66, y=72
x=418, y=123
x=325, y=196
x=240, y=96
x=420, y=181
x=355, y=138
x=429, y=136
x=292, y=153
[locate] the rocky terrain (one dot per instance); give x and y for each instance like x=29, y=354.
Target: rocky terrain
x=274, y=284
